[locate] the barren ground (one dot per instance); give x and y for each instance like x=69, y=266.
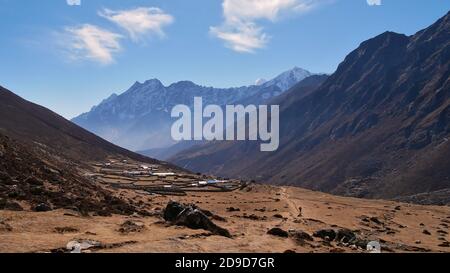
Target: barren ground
x=398, y=226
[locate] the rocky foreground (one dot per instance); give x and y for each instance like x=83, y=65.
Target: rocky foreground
x=255, y=218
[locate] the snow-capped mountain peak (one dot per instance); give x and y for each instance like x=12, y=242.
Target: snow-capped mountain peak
x=289, y=78
x=260, y=81
x=139, y=118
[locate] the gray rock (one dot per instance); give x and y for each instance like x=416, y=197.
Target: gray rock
x=300, y=236
x=345, y=236
x=42, y=207
x=278, y=232
x=191, y=217
x=326, y=234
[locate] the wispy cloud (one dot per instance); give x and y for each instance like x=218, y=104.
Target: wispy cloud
x=73, y=2
x=91, y=42
x=98, y=44
x=140, y=21
x=374, y=2
x=242, y=37
x=240, y=30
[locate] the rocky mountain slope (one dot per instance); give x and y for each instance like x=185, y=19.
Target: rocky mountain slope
x=139, y=119
x=33, y=179
x=44, y=160
x=378, y=127
x=36, y=125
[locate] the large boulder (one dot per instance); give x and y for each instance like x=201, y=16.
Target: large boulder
x=326, y=234
x=42, y=207
x=192, y=217
x=345, y=236
x=300, y=236
x=173, y=209
x=278, y=232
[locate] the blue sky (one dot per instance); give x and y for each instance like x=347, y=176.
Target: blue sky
x=70, y=57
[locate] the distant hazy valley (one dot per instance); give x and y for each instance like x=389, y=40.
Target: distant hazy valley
x=139, y=119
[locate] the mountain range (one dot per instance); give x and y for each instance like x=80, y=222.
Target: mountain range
x=139, y=118
x=378, y=127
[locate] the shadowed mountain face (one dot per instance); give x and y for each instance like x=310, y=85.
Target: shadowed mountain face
x=34, y=124
x=45, y=159
x=139, y=119
x=378, y=127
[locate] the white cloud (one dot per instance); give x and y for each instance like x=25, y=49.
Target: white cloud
x=73, y=2
x=239, y=10
x=92, y=42
x=240, y=30
x=242, y=37
x=140, y=21
x=374, y=2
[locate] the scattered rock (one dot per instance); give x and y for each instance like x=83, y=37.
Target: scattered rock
x=444, y=244
x=326, y=234
x=300, y=236
x=397, y=208
x=278, y=216
x=231, y=209
x=63, y=230
x=365, y=219
x=254, y=217
x=426, y=232
x=376, y=220
x=79, y=246
x=42, y=207
x=83, y=245
x=131, y=226
x=278, y=232
x=191, y=217
x=199, y=235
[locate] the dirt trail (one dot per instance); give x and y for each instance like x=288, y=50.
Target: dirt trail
x=294, y=208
